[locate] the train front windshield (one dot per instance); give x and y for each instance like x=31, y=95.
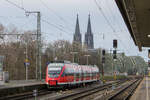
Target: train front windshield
x=54, y=71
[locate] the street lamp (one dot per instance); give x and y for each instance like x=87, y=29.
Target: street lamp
x=87, y=58
x=73, y=53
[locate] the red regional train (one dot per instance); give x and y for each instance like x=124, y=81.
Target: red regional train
x=65, y=74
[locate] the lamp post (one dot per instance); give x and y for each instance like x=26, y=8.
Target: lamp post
x=26, y=61
x=87, y=58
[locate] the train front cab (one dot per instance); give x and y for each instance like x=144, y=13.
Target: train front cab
x=53, y=74
x=61, y=77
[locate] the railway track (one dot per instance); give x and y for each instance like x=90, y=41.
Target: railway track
x=87, y=92
x=125, y=92
x=84, y=93
x=30, y=95
x=26, y=95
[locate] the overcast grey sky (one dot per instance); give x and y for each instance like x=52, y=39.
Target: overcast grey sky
x=62, y=13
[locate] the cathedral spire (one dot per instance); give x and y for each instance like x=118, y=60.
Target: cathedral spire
x=77, y=29
x=89, y=42
x=77, y=35
x=89, y=30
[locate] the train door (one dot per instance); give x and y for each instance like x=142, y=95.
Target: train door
x=74, y=73
x=68, y=73
x=77, y=73
x=85, y=71
x=80, y=73
x=91, y=73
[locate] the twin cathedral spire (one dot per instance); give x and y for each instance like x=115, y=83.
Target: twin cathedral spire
x=77, y=35
x=88, y=42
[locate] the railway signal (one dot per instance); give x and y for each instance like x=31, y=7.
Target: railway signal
x=115, y=51
x=148, y=63
x=114, y=54
x=103, y=60
x=148, y=53
x=115, y=43
x=103, y=56
x=103, y=52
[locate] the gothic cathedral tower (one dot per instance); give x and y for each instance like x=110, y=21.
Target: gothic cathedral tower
x=77, y=36
x=89, y=43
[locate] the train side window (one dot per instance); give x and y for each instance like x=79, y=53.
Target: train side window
x=68, y=72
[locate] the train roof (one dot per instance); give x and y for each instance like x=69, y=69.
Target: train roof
x=63, y=62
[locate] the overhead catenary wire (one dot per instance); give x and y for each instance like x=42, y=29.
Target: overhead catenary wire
x=61, y=28
x=57, y=15
x=109, y=24
x=24, y=24
x=103, y=14
x=110, y=15
x=56, y=37
x=16, y=17
x=41, y=19
x=113, y=17
x=16, y=5
x=52, y=11
x=108, y=19
x=58, y=26
x=53, y=25
x=117, y=23
x=115, y=6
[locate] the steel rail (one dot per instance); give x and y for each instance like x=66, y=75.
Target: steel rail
x=25, y=95
x=84, y=93
x=128, y=89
